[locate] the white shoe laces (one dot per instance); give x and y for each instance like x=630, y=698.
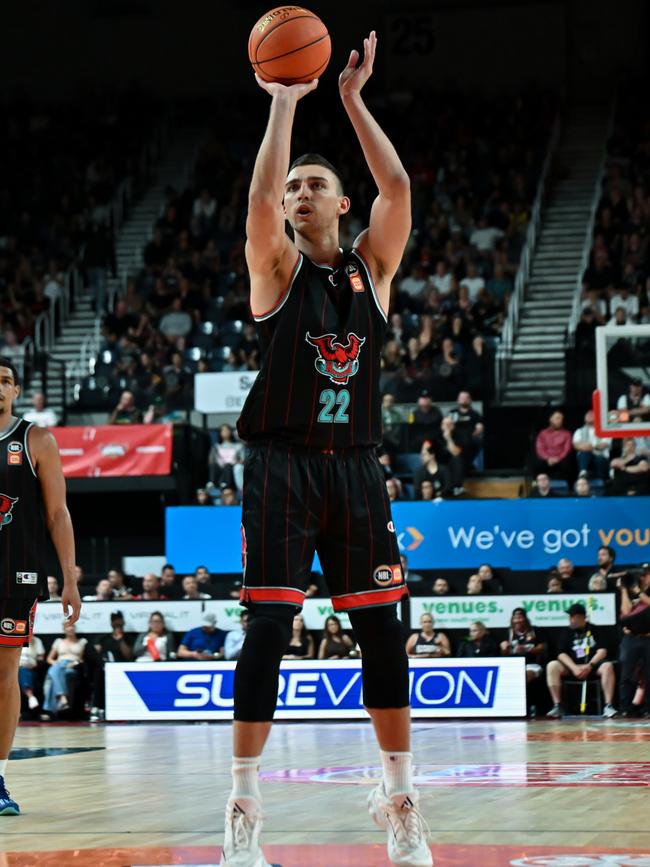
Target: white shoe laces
x=410, y=827
x=243, y=829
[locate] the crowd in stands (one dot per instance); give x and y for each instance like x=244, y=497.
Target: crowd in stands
x=61, y=166
x=616, y=284
x=69, y=675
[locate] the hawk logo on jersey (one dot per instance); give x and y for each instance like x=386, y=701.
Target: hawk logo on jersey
x=336, y=361
x=6, y=505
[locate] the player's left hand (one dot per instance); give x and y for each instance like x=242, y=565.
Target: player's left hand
x=70, y=599
x=353, y=77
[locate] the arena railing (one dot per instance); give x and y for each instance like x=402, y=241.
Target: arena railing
x=515, y=304
x=589, y=233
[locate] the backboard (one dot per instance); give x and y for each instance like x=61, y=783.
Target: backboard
x=621, y=400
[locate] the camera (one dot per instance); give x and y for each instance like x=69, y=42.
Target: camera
x=630, y=580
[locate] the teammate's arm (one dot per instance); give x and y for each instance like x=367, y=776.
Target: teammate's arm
x=384, y=241
x=270, y=253
x=47, y=463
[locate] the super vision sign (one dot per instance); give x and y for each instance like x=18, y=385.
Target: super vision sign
x=313, y=690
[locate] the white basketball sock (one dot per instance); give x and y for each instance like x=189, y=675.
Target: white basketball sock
x=3, y=767
x=245, y=780
x=398, y=773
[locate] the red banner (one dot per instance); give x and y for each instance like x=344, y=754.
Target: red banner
x=116, y=450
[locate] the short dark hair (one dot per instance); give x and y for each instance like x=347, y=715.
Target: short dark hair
x=610, y=551
x=318, y=160
x=7, y=362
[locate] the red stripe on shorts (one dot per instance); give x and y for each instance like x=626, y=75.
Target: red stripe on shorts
x=372, y=597
x=272, y=594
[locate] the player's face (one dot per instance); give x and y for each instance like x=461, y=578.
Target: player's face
x=312, y=201
x=9, y=391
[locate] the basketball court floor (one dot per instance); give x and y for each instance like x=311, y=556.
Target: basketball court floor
x=573, y=792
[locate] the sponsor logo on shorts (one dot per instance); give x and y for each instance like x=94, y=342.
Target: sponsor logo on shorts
x=13, y=627
x=26, y=577
x=390, y=527
x=384, y=576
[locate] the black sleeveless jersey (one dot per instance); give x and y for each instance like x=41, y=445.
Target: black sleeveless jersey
x=26, y=550
x=318, y=384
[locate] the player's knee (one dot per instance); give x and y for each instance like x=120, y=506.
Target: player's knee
x=256, y=677
x=383, y=656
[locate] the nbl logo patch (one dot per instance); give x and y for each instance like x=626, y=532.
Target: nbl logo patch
x=337, y=361
x=384, y=576
x=15, y=454
x=13, y=627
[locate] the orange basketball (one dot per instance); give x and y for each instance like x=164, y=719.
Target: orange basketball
x=289, y=45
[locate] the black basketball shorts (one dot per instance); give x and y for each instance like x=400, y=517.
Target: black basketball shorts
x=16, y=621
x=297, y=501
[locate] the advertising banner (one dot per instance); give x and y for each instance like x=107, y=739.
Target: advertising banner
x=515, y=534
x=95, y=617
x=548, y=610
x=314, y=689
x=115, y=450
x=222, y=392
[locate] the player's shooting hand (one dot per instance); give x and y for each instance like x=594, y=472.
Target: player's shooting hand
x=353, y=77
x=297, y=91
x=70, y=599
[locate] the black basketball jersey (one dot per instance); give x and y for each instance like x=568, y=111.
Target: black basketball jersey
x=26, y=550
x=318, y=383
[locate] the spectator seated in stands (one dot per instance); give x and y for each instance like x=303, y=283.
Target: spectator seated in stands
x=334, y=643
x=411, y=578
x=523, y=641
x=426, y=492
x=469, y=430
x=582, y=655
x=581, y=487
x=40, y=415
x=191, y=589
x=228, y=496
x=394, y=489
x=441, y=587
x=554, y=583
x=542, y=487
x=150, y=589
x=428, y=642
x=636, y=402
x=634, y=651
x=235, y=638
x=203, y=498
x=53, y=589
x=606, y=556
x=434, y=472
x=301, y=645
x=567, y=574
x=391, y=423
x=157, y=644
x=478, y=643
x=203, y=642
x=103, y=592
x=118, y=583
x=115, y=647
x=597, y=584
x=204, y=580
x=169, y=583
x=226, y=459
x=65, y=659
x=451, y=454
x=592, y=453
x=631, y=472
x=32, y=657
x=126, y=412
x=489, y=582
x=425, y=421
x=553, y=448
x=474, y=585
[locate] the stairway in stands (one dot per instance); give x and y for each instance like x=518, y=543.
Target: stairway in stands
x=536, y=372
x=173, y=170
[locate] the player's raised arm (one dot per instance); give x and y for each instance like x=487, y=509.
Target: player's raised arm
x=390, y=219
x=268, y=247
x=47, y=462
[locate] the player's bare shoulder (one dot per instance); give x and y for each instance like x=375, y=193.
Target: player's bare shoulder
x=43, y=448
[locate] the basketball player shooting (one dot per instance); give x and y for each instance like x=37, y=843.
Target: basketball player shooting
x=33, y=514
x=312, y=478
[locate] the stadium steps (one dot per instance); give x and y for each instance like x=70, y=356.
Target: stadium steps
x=172, y=171
x=536, y=373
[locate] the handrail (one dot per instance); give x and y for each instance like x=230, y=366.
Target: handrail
x=589, y=233
x=515, y=303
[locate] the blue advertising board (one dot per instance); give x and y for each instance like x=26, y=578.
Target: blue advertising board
x=515, y=534
x=313, y=689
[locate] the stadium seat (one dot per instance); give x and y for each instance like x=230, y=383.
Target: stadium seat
x=408, y=463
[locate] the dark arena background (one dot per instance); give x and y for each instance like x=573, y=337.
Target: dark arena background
x=515, y=389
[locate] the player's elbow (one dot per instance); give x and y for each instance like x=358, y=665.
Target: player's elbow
x=397, y=185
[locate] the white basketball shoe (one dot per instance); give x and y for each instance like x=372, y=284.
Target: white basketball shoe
x=408, y=834
x=241, y=847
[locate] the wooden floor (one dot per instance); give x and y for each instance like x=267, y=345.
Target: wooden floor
x=504, y=793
